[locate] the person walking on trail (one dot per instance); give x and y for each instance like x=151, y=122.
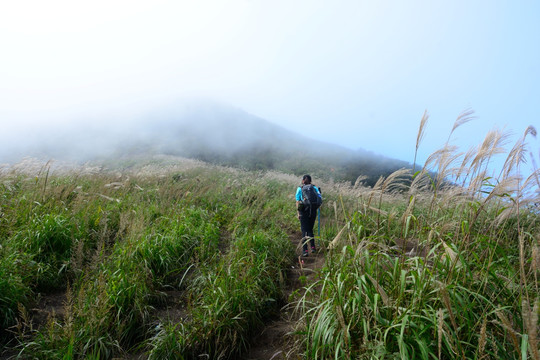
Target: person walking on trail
x=308, y=201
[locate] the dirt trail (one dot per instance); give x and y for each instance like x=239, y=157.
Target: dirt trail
x=275, y=341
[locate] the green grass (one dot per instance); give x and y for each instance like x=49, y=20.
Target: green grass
x=229, y=301
x=372, y=304
x=430, y=270
x=115, y=249
x=416, y=267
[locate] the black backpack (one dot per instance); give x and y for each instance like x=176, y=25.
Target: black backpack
x=311, y=200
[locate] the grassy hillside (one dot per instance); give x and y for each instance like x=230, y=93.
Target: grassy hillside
x=118, y=245
x=180, y=259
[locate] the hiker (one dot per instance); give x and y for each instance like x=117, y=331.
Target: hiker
x=308, y=200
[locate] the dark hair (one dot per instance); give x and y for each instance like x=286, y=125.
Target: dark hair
x=308, y=178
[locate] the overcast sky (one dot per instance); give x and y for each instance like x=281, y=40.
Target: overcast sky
x=355, y=73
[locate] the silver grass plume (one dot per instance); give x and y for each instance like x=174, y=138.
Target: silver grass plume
x=516, y=155
x=420, y=135
x=463, y=118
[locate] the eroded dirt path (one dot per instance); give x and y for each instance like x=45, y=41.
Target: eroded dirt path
x=276, y=341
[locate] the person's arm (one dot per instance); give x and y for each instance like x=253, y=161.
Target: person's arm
x=299, y=194
x=298, y=200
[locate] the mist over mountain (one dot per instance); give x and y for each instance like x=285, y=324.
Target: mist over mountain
x=202, y=130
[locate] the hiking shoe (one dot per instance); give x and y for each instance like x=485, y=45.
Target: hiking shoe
x=305, y=254
x=313, y=249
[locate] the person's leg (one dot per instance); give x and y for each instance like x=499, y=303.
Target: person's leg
x=305, y=227
x=312, y=220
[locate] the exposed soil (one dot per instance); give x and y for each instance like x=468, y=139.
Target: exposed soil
x=276, y=340
x=49, y=305
x=172, y=308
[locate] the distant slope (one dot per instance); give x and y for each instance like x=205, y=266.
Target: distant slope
x=214, y=133
x=228, y=136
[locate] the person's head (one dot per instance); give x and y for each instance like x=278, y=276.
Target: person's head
x=306, y=179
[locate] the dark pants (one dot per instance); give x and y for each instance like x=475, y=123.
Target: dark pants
x=306, y=225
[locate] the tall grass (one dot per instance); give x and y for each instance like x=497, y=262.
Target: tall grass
x=116, y=243
x=442, y=268
x=229, y=301
x=441, y=263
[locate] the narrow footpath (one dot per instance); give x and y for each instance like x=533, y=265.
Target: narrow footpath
x=275, y=340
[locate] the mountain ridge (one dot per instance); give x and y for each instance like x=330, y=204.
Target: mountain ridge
x=214, y=133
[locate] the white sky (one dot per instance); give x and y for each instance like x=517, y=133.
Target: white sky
x=356, y=73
